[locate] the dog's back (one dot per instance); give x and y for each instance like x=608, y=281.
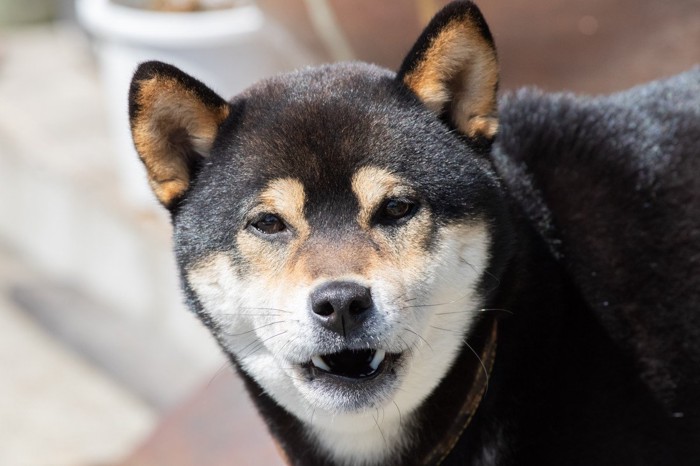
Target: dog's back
x=611, y=185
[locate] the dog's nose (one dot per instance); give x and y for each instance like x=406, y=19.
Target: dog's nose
x=341, y=306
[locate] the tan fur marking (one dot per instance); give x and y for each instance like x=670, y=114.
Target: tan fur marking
x=459, y=68
x=171, y=121
x=485, y=126
x=327, y=259
x=400, y=255
x=405, y=256
x=371, y=186
x=264, y=259
x=286, y=197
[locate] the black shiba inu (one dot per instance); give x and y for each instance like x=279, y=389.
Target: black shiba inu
x=405, y=271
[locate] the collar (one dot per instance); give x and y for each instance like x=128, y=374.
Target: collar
x=471, y=403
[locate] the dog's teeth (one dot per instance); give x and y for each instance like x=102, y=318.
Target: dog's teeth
x=377, y=359
x=320, y=363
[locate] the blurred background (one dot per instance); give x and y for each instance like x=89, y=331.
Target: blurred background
x=100, y=363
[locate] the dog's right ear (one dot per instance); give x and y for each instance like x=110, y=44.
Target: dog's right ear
x=174, y=119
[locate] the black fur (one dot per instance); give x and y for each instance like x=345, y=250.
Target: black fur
x=594, y=204
x=603, y=366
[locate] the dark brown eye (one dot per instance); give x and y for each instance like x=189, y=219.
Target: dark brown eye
x=269, y=224
x=394, y=210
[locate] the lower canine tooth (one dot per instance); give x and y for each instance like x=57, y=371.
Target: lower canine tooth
x=377, y=359
x=320, y=363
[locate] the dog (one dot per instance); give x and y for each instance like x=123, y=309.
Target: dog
x=405, y=269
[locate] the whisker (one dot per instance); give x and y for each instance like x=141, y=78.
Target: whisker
x=408, y=347
x=400, y=417
x=265, y=309
x=438, y=304
x=497, y=281
x=400, y=297
x=224, y=366
x=293, y=378
x=380, y=430
x=247, y=315
x=483, y=366
x=255, y=329
x=257, y=347
x=260, y=343
x=290, y=340
x=473, y=310
x=419, y=336
x=446, y=330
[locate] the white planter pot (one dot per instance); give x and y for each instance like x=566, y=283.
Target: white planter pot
x=227, y=49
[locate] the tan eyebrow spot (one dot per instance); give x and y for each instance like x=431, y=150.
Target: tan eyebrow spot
x=371, y=186
x=286, y=197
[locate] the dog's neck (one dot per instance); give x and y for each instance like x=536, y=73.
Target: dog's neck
x=448, y=411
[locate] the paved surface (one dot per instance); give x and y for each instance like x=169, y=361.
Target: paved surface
x=56, y=409
x=216, y=426
x=114, y=293
x=95, y=344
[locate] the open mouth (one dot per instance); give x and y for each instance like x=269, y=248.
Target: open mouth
x=351, y=364
x=350, y=380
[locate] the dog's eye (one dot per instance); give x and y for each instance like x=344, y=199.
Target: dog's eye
x=269, y=224
x=394, y=210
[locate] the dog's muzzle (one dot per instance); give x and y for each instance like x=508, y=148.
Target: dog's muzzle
x=342, y=307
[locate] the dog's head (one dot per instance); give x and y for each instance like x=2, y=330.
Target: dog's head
x=335, y=227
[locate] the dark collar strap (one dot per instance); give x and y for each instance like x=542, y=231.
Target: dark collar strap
x=471, y=402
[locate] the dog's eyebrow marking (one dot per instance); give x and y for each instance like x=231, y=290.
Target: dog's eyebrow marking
x=286, y=197
x=371, y=186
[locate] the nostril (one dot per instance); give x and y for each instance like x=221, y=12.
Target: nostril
x=361, y=303
x=323, y=308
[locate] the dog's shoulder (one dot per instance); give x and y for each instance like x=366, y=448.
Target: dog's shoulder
x=611, y=184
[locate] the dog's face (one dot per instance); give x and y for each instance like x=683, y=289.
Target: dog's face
x=340, y=237
x=335, y=227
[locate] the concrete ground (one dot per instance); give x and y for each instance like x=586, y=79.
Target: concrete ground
x=99, y=359
x=95, y=343
x=57, y=409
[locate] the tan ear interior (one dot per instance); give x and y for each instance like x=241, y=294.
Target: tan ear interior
x=458, y=73
x=172, y=128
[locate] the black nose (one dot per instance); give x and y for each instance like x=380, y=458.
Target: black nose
x=341, y=306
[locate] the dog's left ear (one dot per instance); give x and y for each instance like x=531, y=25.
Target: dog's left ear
x=453, y=70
